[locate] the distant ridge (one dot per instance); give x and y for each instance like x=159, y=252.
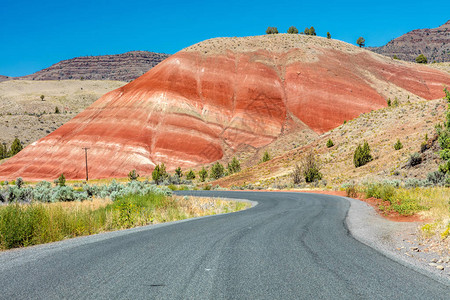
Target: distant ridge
x=434, y=43
x=123, y=67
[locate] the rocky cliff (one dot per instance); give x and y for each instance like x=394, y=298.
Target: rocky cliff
x=122, y=67
x=434, y=43
x=218, y=96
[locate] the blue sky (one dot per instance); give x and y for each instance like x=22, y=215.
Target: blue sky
x=37, y=34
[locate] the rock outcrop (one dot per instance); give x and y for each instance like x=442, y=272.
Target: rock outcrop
x=434, y=43
x=122, y=67
x=218, y=96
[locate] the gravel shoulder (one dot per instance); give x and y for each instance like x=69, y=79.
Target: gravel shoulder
x=396, y=240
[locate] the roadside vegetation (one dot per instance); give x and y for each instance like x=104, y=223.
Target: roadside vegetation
x=41, y=214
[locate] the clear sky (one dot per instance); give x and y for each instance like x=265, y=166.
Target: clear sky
x=37, y=34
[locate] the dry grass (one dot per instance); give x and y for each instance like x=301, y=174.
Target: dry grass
x=22, y=107
x=37, y=223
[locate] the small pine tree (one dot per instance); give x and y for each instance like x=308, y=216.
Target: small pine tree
x=389, y=102
x=328, y=35
x=362, y=155
x=16, y=147
x=57, y=110
x=156, y=174
x=217, y=171
x=3, y=151
x=271, y=30
x=292, y=30
x=203, y=173
x=312, y=31
x=190, y=175
x=61, y=180
x=234, y=166
x=361, y=41
x=311, y=168
x=133, y=175
x=398, y=145
x=42, y=97
x=330, y=143
x=266, y=156
x=179, y=172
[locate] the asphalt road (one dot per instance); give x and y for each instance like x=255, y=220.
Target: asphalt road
x=289, y=246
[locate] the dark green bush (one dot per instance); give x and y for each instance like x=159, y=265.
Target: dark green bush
x=203, y=173
x=311, y=168
x=61, y=180
x=190, y=175
x=271, y=30
x=266, y=156
x=217, y=171
x=234, y=166
x=178, y=172
x=398, y=145
x=421, y=59
x=292, y=30
x=362, y=155
x=330, y=143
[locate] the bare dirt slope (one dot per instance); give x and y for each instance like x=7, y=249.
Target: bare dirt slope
x=24, y=115
x=434, y=43
x=223, y=95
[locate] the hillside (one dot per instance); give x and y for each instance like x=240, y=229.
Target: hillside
x=409, y=122
x=26, y=116
x=225, y=96
x=119, y=67
x=434, y=43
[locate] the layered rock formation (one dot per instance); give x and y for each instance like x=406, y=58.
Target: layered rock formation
x=434, y=43
x=123, y=67
x=220, y=95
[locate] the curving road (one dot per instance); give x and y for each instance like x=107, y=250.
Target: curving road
x=290, y=246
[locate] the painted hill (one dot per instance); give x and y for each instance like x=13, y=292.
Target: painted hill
x=121, y=67
x=220, y=96
x=434, y=43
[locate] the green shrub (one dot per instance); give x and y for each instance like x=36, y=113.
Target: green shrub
x=16, y=147
x=266, y=156
x=398, y=145
x=61, y=180
x=311, y=168
x=202, y=174
x=330, y=143
x=190, y=175
x=217, y=171
x=178, y=172
x=415, y=159
x=389, y=103
x=159, y=173
x=292, y=30
x=271, y=30
x=328, y=35
x=362, y=155
x=234, y=166
x=421, y=59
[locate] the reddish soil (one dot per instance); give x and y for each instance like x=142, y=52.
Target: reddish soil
x=196, y=106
